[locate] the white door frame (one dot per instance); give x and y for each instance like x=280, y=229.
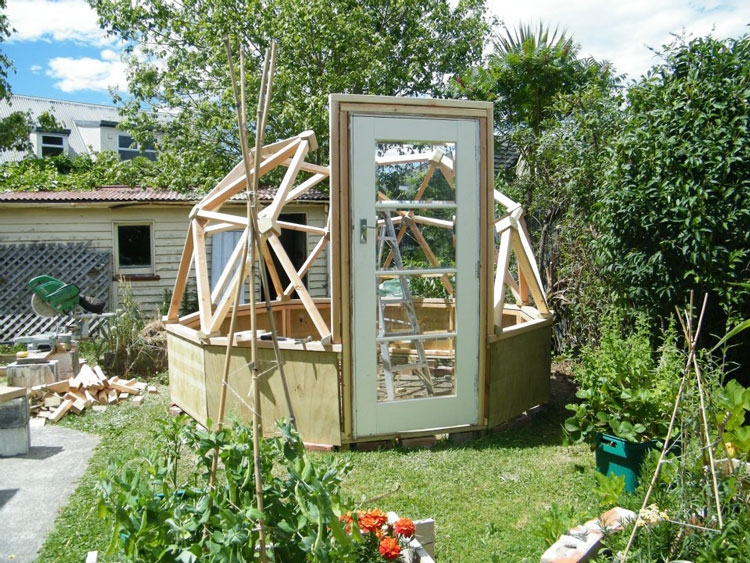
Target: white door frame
x=372, y=418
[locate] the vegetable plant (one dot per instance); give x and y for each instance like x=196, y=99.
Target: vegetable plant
x=626, y=388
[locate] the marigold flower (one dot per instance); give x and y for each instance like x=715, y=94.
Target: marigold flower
x=372, y=521
x=404, y=527
x=389, y=548
x=347, y=519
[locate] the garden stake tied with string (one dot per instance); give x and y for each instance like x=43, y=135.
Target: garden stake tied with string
x=251, y=246
x=691, y=364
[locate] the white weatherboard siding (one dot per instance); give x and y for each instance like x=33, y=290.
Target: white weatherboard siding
x=27, y=223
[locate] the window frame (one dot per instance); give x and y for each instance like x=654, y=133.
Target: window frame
x=134, y=150
x=132, y=270
x=41, y=144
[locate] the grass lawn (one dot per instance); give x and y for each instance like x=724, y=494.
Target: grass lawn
x=487, y=496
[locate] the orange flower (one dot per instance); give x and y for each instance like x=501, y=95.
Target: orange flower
x=372, y=521
x=347, y=519
x=404, y=527
x=389, y=548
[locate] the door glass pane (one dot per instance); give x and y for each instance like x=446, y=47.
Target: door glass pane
x=415, y=270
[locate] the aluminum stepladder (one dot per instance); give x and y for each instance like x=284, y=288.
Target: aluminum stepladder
x=387, y=236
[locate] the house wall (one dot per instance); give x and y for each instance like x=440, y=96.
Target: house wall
x=24, y=223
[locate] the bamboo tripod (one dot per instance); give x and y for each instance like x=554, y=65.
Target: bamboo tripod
x=691, y=365
x=251, y=248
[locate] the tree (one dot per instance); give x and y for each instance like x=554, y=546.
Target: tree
x=560, y=112
x=5, y=62
x=674, y=214
x=179, y=65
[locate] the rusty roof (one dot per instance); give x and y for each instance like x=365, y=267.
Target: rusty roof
x=115, y=194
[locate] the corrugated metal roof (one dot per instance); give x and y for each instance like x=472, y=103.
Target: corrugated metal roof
x=66, y=113
x=115, y=194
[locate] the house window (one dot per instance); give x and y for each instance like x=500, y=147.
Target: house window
x=52, y=145
x=134, y=248
x=128, y=149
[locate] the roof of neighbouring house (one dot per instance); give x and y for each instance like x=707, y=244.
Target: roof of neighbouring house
x=72, y=116
x=506, y=154
x=125, y=194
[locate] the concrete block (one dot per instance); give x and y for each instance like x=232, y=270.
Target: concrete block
x=14, y=413
x=14, y=427
x=31, y=374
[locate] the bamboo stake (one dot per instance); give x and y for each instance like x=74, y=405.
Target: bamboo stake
x=691, y=353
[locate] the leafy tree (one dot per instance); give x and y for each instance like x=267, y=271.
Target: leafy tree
x=14, y=129
x=5, y=62
x=560, y=112
x=14, y=132
x=81, y=172
x=674, y=214
x=178, y=65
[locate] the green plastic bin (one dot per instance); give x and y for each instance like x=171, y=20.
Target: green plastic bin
x=621, y=457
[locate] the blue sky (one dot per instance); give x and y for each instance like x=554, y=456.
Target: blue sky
x=60, y=52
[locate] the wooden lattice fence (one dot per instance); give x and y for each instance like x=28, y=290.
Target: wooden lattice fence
x=78, y=263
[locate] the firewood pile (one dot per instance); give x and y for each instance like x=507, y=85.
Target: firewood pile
x=91, y=388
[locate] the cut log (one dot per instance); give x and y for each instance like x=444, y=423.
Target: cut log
x=138, y=400
x=78, y=406
x=111, y=396
x=152, y=389
x=61, y=411
x=122, y=388
x=53, y=401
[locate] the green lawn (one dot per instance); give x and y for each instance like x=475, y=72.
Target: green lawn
x=487, y=497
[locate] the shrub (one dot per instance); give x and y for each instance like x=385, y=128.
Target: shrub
x=626, y=389
x=674, y=214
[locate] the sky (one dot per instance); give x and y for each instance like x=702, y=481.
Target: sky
x=60, y=52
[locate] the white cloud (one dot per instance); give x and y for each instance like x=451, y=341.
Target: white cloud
x=88, y=73
x=35, y=69
x=55, y=20
x=622, y=31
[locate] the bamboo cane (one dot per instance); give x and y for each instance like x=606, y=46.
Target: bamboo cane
x=692, y=340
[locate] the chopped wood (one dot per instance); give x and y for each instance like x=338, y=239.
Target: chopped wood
x=90, y=388
x=53, y=401
x=78, y=406
x=61, y=411
x=124, y=388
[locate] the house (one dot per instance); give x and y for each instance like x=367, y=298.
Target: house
x=128, y=233
x=86, y=129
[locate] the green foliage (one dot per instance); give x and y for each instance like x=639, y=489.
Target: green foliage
x=556, y=522
x=5, y=63
x=401, y=47
x=164, y=511
x=125, y=343
x=675, y=212
x=81, y=172
x=609, y=489
x=48, y=122
x=625, y=389
x=14, y=132
x=560, y=112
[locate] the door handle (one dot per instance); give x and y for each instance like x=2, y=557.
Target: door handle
x=363, y=226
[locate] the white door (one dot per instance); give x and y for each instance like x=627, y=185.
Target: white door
x=415, y=208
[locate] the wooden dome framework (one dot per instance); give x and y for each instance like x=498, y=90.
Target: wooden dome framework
x=206, y=219
x=317, y=334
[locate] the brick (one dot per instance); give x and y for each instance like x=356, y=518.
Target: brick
x=421, y=442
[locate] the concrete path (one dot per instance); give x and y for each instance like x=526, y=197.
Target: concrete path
x=34, y=487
